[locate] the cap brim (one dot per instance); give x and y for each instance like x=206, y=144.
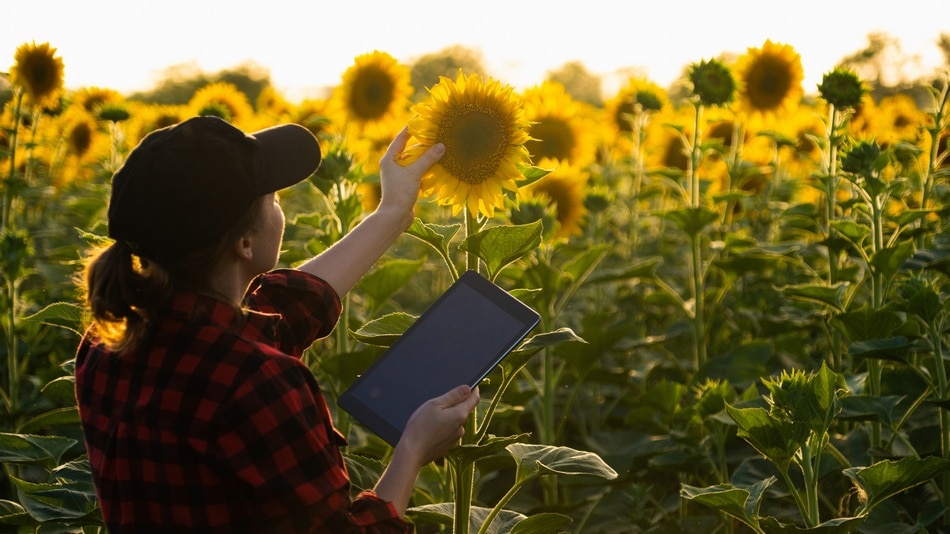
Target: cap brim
x=290, y=153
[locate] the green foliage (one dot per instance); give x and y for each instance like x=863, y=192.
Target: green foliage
x=743, y=360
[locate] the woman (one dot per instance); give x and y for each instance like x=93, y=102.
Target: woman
x=197, y=412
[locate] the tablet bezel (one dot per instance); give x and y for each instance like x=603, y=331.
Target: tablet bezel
x=527, y=318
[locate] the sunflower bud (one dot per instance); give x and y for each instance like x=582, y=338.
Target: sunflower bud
x=215, y=109
x=842, y=88
x=113, y=113
x=597, y=199
x=648, y=100
x=864, y=159
x=335, y=166
x=712, y=82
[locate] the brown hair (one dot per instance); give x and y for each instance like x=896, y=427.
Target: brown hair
x=123, y=292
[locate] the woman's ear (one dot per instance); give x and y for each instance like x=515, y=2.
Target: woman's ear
x=244, y=247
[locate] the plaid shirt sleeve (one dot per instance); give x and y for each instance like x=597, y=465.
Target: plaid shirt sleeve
x=279, y=441
x=284, y=408
x=308, y=308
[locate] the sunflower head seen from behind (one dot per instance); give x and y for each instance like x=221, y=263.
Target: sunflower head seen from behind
x=770, y=79
x=373, y=96
x=39, y=72
x=482, y=125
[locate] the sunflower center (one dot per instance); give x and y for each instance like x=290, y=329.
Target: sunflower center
x=674, y=154
x=554, y=139
x=475, y=141
x=769, y=82
x=372, y=93
x=721, y=130
x=80, y=138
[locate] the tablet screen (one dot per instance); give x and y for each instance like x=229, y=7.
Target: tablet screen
x=458, y=340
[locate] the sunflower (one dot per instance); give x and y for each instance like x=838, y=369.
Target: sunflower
x=864, y=121
x=39, y=72
x=770, y=79
x=805, y=127
x=164, y=115
x=314, y=115
x=899, y=119
x=91, y=98
x=221, y=99
x=558, y=125
x=374, y=93
x=482, y=125
x=666, y=150
x=368, y=150
x=564, y=189
x=370, y=194
x=80, y=132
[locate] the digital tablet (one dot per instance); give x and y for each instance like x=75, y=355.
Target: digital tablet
x=458, y=340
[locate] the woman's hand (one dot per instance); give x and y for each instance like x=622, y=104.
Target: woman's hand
x=343, y=264
x=400, y=184
x=433, y=429
x=438, y=425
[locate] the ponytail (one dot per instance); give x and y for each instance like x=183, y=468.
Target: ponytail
x=123, y=292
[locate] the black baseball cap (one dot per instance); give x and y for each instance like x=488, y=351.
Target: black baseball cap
x=182, y=187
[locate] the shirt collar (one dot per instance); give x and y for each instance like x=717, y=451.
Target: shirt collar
x=193, y=306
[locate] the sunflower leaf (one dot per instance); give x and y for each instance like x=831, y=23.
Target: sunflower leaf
x=534, y=461
x=388, y=278
x=384, y=330
x=887, y=478
x=531, y=174
x=501, y=245
x=62, y=314
x=435, y=235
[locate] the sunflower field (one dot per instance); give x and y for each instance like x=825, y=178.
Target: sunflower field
x=743, y=285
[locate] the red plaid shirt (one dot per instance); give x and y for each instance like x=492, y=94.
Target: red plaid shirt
x=216, y=425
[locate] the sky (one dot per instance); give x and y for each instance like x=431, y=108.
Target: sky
x=306, y=45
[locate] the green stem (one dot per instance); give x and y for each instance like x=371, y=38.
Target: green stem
x=802, y=506
x=811, y=470
x=934, y=132
x=471, y=226
x=735, y=151
x=696, y=286
x=638, y=169
x=695, y=155
x=877, y=299
x=943, y=393
x=549, y=383
x=696, y=283
x=8, y=196
x=831, y=190
x=465, y=470
x=13, y=368
x=499, y=507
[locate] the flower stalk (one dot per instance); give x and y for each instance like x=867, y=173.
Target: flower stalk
x=465, y=469
x=8, y=193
